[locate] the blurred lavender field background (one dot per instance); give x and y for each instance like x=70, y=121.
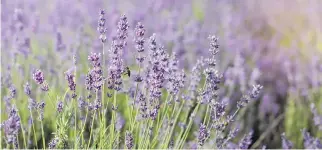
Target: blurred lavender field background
x=275, y=43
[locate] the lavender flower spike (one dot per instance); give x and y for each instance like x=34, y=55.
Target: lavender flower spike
x=38, y=76
x=286, y=144
x=245, y=142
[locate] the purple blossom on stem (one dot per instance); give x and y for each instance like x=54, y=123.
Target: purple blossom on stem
x=116, y=61
x=27, y=89
x=41, y=106
x=176, y=79
x=129, y=140
x=101, y=26
x=317, y=119
x=45, y=87
x=195, y=79
x=245, y=142
x=38, y=76
x=53, y=143
x=71, y=83
x=251, y=96
x=32, y=104
x=60, y=106
x=13, y=91
x=203, y=135
x=310, y=142
x=94, y=78
x=142, y=105
x=12, y=127
x=286, y=144
x=60, y=46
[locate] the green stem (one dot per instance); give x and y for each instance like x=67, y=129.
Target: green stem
x=113, y=120
x=90, y=135
x=33, y=127
x=43, y=134
x=173, y=126
x=185, y=135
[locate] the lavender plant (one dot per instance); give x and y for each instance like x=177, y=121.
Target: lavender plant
x=156, y=86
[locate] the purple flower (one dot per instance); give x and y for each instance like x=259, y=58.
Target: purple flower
x=213, y=44
x=310, y=142
x=27, y=89
x=176, y=79
x=41, y=106
x=45, y=87
x=143, y=107
x=316, y=117
x=129, y=140
x=286, y=144
x=116, y=61
x=245, y=142
x=81, y=103
x=53, y=143
x=13, y=91
x=203, y=135
x=60, y=106
x=139, y=37
x=60, y=46
x=101, y=26
x=71, y=83
x=251, y=96
x=38, y=76
x=94, y=78
x=195, y=79
x=32, y=104
x=12, y=127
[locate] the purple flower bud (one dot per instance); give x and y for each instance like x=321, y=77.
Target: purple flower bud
x=213, y=45
x=12, y=127
x=13, y=91
x=53, y=143
x=101, y=26
x=45, y=87
x=256, y=90
x=286, y=144
x=310, y=142
x=32, y=104
x=139, y=37
x=60, y=106
x=129, y=140
x=27, y=89
x=38, y=76
x=203, y=135
x=71, y=81
x=245, y=142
